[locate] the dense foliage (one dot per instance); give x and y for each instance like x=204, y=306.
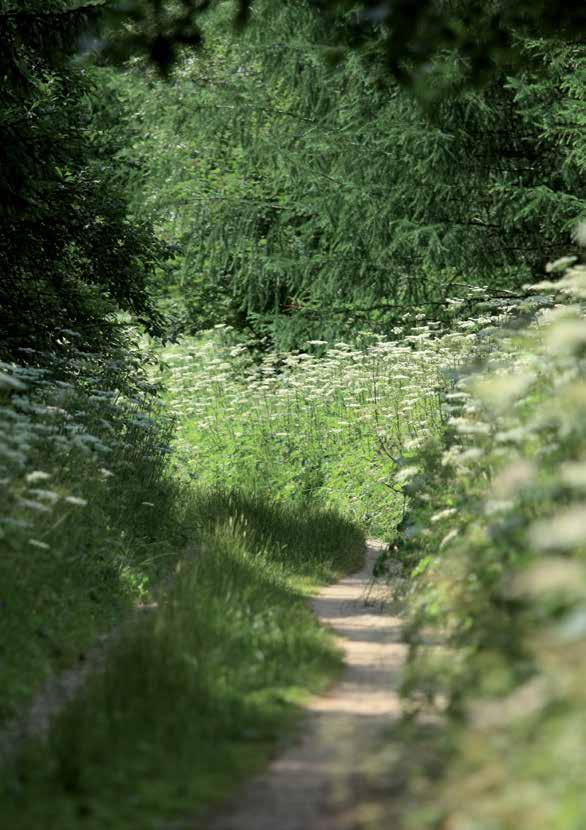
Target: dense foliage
x=410, y=36
x=69, y=256
x=87, y=510
x=304, y=201
x=348, y=272
x=83, y=442
x=465, y=448
x=299, y=427
x=497, y=531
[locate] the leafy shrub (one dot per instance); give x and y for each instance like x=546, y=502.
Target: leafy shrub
x=69, y=254
x=86, y=502
x=498, y=536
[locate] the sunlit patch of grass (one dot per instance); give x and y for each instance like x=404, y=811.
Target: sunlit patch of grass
x=329, y=427
x=195, y=694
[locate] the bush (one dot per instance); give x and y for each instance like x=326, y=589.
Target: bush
x=86, y=503
x=497, y=533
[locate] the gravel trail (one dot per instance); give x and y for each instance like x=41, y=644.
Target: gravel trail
x=334, y=777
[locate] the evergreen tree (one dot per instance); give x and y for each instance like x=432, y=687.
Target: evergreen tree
x=69, y=257
x=304, y=199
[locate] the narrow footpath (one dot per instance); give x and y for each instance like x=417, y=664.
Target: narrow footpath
x=335, y=775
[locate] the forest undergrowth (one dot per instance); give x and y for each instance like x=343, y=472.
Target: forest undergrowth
x=88, y=512
x=464, y=448
x=203, y=585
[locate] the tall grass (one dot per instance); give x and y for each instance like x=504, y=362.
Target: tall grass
x=329, y=426
x=195, y=694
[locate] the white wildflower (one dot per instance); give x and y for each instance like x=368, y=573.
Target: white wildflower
x=500, y=391
x=550, y=574
x=448, y=538
x=467, y=427
x=37, y=475
x=494, y=506
x=567, y=336
x=513, y=478
x=564, y=531
x=443, y=514
x=414, y=443
x=580, y=234
x=406, y=474
x=46, y=495
x=29, y=504
x=574, y=283
x=515, y=435
x=10, y=382
x=560, y=264
x=573, y=474
x=471, y=454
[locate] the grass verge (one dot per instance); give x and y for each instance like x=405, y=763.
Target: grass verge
x=87, y=507
x=194, y=695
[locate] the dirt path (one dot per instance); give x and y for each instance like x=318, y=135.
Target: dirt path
x=335, y=776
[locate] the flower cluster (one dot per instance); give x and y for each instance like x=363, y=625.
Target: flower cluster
x=84, y=447
x=498, y=538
